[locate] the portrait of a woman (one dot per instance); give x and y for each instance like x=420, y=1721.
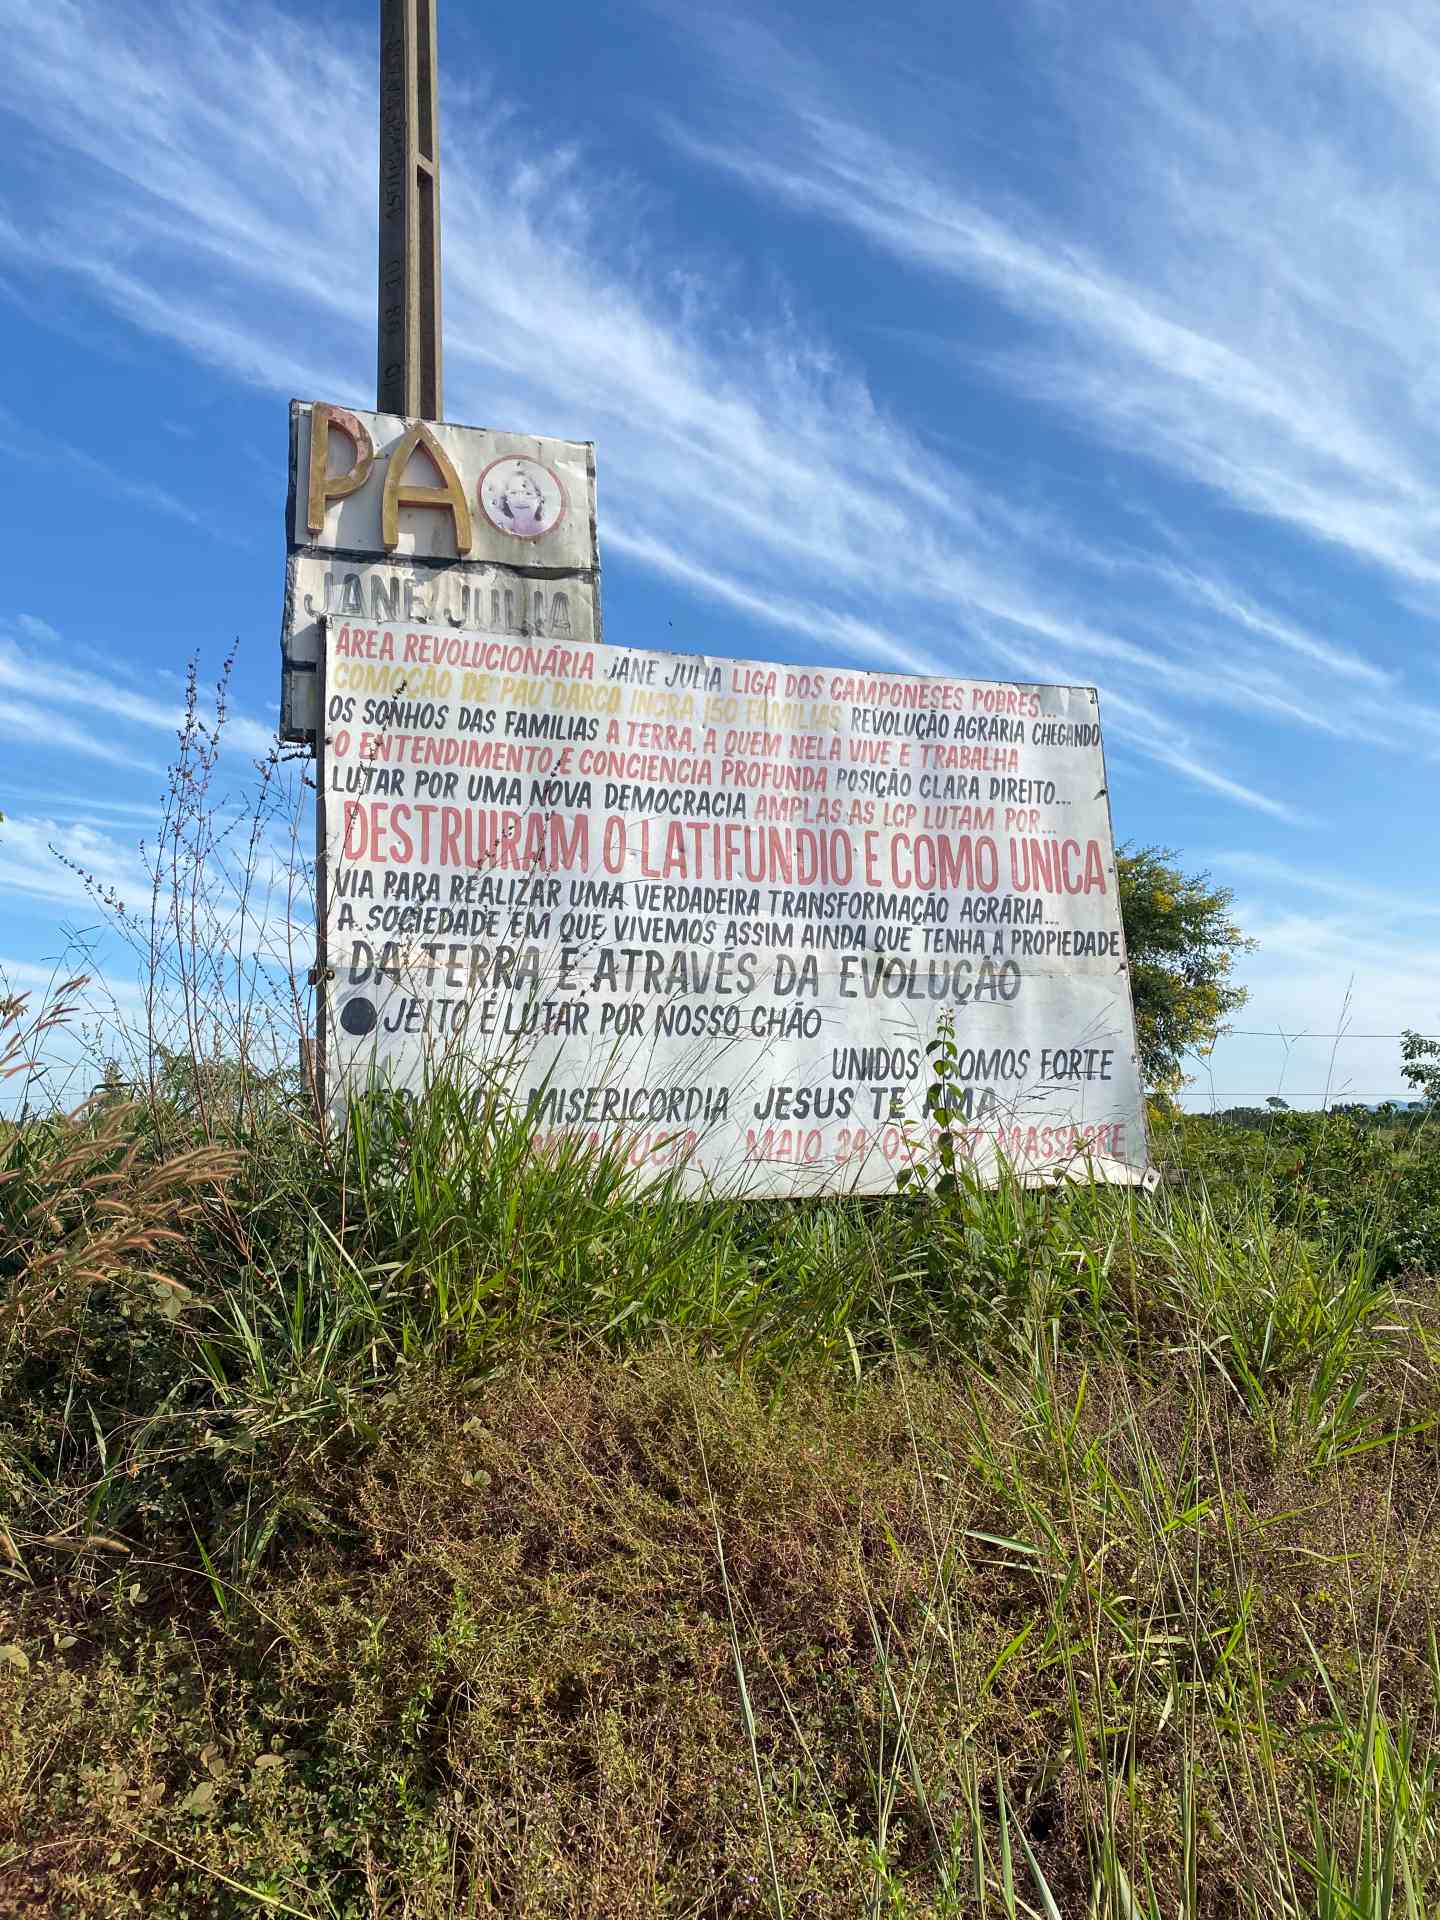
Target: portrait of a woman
x=521, y=497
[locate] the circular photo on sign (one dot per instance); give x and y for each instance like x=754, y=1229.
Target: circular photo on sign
x=521, y=497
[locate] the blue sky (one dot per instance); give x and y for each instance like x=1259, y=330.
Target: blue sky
x=1092, y=343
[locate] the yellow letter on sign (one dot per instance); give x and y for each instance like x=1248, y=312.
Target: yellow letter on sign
x=401, y=493
x=326, y=486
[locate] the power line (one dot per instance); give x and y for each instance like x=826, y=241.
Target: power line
x=1275, y=1033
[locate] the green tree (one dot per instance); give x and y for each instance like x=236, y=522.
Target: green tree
x=1421, y=1055
x=1182, y=945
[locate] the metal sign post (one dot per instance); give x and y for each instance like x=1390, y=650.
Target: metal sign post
x=409, y=367
x=409, y=372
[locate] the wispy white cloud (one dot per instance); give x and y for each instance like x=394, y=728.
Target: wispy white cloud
x=28, y=724
x=1224, y=599
x=100, y=809
x=101, y=994
x=782, y=611
x=48, y=448
x=228, y=905
x=1404, y=908
x=44, y=699
x=1221, y=783
x=1239, y=296
x=49, y=860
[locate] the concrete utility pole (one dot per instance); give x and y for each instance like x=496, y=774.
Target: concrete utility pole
x=409, y=375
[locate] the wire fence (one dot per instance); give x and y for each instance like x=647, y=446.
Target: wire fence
x=1303, y=1068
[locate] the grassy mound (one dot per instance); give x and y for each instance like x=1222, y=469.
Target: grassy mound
x=418, y=1529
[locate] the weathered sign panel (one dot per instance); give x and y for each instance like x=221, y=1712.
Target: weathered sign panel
x=431, y=524
x=716, y=910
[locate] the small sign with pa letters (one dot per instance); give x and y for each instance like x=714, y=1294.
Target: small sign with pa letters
x=417, y=521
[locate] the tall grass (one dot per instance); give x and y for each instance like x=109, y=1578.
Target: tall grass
x=1066, y=1551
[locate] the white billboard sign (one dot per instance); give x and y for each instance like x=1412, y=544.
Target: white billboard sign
x=430, y=524
x=716, y=910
